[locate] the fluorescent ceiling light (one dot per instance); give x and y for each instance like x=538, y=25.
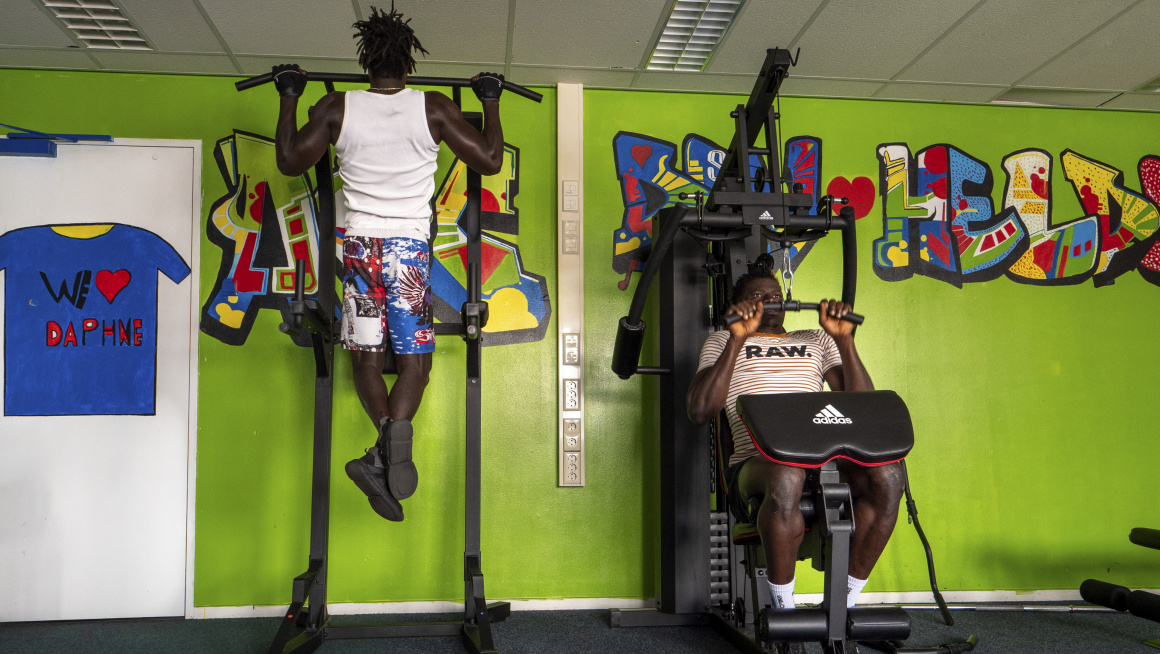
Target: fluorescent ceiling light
x=98, y=24
x=1150, y=87
x=692, y=34
x=1052, y=97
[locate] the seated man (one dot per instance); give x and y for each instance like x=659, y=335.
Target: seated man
x=387, y=139
x=797, y=362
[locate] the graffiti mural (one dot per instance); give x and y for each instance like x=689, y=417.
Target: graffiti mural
x=652, y=176
x=938, y=217
x=265, y=221
x=518, y=303
x=262, y=224
x=939, y=220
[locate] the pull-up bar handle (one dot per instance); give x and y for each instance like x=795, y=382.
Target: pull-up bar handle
x=363, y=78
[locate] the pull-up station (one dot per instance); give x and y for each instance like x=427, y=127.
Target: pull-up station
x=307, y=622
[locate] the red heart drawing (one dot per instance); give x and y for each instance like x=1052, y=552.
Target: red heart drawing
x=112, y=283
x=641, y=153
x=860, y=193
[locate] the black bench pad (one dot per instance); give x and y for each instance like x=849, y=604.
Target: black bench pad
x=810, y=429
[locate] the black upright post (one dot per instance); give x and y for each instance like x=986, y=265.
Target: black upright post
x=684, y=449
x=323, y=346
x=477, y=614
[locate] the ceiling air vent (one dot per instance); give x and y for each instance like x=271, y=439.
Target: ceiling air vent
x=98, y=24
x=692, y=34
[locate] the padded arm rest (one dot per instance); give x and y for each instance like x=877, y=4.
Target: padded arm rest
x=810, y=429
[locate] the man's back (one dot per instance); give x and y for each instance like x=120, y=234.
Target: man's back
x=387, y=154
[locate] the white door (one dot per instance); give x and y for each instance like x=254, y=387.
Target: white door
x=99, y=386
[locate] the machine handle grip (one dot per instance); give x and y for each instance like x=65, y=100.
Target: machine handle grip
x=794, y=305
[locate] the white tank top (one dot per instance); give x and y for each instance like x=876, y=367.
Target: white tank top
x=387, y=164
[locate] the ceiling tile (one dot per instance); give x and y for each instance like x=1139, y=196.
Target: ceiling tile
x=304, y=28
x=1003, y=41
x=762, y=24
x=859, y=39
x=597, y=33
x=829, y=88
x=26, y=24
x=34, y=58
x=1145, y=101
x=599, y=78
x=939, y=92
x=455, y=69
x=159, y=62
x=660, y=80
x=1122, y=55
x=257, y=65
x=456, y=30
x=1059, y=97
x=172, y=25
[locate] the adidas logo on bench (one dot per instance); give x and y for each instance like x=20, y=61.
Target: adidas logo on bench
x=831, y=416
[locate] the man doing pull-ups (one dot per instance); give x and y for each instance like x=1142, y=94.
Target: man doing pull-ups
x=728, y=368
x=387, y=139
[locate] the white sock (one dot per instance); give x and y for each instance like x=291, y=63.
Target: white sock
x=853, y=588
x=782, y=594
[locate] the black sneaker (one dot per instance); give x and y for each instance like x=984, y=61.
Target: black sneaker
x=369, y=478
x=395, y=449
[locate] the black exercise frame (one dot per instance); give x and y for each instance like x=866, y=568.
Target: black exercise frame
x=306, y=623
x=725, y=233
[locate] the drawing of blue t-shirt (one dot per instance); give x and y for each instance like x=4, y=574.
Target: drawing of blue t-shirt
x=80, y=320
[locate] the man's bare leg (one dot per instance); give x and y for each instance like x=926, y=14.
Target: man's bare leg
x=779, y=521
x=400, y=402
x=877, y=491
x=370, y=385
x=414, y=373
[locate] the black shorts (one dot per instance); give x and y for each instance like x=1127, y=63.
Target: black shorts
x=737, y=504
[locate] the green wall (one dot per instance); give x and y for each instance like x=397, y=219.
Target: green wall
x=1035, y=449
x=1031, y=404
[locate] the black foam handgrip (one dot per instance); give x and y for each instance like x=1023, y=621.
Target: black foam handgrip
x=878, y=623
x=1102, y=593
x=793, y=625
x=1145, y=537
x=1144, y=605
x=626, y=350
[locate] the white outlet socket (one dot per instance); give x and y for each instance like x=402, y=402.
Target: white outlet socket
x=571, y=394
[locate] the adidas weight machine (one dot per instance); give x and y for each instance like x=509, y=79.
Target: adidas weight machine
x=699, y=253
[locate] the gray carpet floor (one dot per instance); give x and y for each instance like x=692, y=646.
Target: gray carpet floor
x=544, y=632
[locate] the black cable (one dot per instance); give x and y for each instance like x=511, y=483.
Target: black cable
x=912, y=511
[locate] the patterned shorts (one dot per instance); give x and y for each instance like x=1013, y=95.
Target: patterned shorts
x=386, y=289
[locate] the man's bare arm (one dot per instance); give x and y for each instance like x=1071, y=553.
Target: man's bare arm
x=482, y=151
x=710, y=387
x=297, y=150
x=851, y=375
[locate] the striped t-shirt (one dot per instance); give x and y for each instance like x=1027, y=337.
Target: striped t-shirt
x=793, y=363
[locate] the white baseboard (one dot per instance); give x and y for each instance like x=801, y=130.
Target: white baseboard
x=209, y=612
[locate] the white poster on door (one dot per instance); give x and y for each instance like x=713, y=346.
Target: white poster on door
x=98, y=260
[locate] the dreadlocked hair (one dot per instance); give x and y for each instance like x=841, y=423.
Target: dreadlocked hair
x=385, y=44
x=763, y=268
